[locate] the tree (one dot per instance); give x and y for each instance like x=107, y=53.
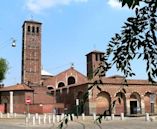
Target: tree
x=131, y=3
x=3, y=69
x=136, y=40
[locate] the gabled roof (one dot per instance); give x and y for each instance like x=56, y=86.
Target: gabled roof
x=71, y=68
x=17, y=87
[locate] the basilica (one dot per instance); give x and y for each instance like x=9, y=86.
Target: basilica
x=44, y=93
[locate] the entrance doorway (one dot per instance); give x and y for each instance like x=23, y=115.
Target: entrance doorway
x=133, y=107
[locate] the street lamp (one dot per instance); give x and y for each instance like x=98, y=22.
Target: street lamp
x=13, y=42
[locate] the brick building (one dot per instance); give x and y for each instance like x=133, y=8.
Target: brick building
x=47, y=92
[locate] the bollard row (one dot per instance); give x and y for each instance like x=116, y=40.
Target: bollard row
x=8, y=115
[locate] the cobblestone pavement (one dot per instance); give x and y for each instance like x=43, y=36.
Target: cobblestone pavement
x=129, y=123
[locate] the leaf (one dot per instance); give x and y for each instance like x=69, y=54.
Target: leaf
x=99, y=120
x=139, y=56
x=124, y=90
x=60, y=125
x=89, y=88
x=119, y=100
x=71, y=117
x=66, y=120
x=114, y=103
x=99, y=88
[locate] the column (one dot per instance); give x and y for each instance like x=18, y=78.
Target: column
x=142, y=106
x=128, y=106
x=11, y=101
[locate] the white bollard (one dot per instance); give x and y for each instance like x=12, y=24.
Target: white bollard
x=69, y=118
x=44, y=119
x=147, y=118
x=8, y=115
x=83, y=116
x=73, y=116
x=26, y=121
x=62, y=116
x=33, y=120
x=58, y=119
x=112, y=116
x=36, y=115
x=1, y=115
x=94, y=116
x=49, y=119
x=29, y=115
x=53, y=118
x=39, y=120
x=122, y=116
x=14, y=115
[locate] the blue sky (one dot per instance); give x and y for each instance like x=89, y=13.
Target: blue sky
x=70, y=29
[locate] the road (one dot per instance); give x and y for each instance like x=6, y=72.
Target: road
x=132, y=123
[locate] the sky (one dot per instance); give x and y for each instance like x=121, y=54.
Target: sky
x=70, y=30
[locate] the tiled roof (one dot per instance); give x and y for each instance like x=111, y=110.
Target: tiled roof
x=95, y=51
x=120, y=80
x=18, y=87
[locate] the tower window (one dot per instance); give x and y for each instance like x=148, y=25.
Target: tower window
x=28, y=28
x=96, y=57
x=33, y=29
x=37, y=29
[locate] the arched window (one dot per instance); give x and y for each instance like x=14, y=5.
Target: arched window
x=61, y=84
x=50, y=88
x=37, y=29
x=71, y=80
x=28, y=28
x=33, y=29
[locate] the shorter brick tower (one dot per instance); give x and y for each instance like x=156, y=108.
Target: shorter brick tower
x=93, y=61
x=31, y=53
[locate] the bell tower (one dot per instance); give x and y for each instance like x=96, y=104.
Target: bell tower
x=31, y=53
x=94, y=59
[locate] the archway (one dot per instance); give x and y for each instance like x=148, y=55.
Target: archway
x=120, y=106
x=149, y=101
x=5, y=101
x=50, y=87
x=103, y=103
x=79, y=96
x=135, y=103
x=71, y=80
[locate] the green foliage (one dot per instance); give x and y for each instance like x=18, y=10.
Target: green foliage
x=130, y=3
x=136, y=40
x=3, y=68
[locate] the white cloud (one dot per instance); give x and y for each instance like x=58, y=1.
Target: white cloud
x=115, y=4
x=37, y=6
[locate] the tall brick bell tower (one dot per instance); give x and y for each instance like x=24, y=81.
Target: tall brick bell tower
x=31, y=53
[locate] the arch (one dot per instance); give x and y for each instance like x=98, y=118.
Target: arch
x=50, y=87
x=79, y=96
x=71, y=80
x=149, y=101
x=120, y=107
x=61, y=84
x=103, y=102
x=135, y=103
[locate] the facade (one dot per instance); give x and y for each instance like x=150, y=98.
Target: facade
x=47, y=92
